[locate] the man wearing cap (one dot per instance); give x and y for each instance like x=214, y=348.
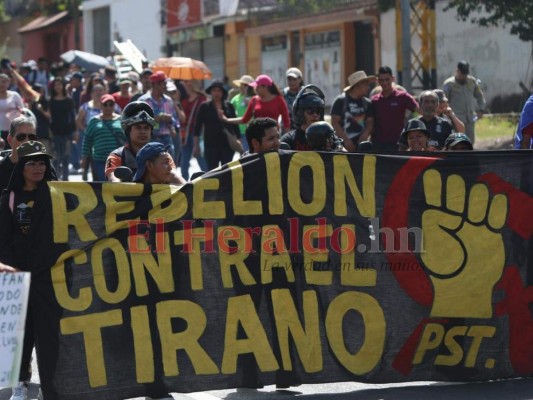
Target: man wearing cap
x=144, y=78
x=110, y=76
x=165, y=111
x=240, y=102
x=294, y=84
x=390, y=108
x=154, y=164
x=465, y=97
x=352, y=113
x=41, y=74
x=123, y=97
x=137, y=123
x=458, y=142
x=75, y=87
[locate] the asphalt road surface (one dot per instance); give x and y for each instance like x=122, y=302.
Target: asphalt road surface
x=512, y=389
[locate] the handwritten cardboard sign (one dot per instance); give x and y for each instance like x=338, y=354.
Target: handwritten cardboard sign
x=14, y=290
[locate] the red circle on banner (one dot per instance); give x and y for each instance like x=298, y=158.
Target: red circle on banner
x=395, y=214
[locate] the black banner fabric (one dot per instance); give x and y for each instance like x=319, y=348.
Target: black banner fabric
x=289, y=268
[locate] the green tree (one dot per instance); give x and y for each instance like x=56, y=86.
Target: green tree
x=514, y=13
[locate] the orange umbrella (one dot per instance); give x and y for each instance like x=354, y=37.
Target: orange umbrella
x=182, y=68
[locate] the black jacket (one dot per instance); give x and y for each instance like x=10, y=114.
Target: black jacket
x=17, y=249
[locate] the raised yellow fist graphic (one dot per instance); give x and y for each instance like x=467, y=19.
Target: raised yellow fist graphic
x=463, y=248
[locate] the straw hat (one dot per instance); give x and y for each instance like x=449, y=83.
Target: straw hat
x=357, y=77
x=246, y=79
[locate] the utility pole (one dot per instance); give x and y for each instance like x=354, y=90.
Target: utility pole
x=75, y=12
x=405, y=78
x=416, y=48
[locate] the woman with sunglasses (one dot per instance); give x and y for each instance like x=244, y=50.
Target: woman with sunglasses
x=23, y=205
x=62, y=125
x=103, y=135
x=267, y=103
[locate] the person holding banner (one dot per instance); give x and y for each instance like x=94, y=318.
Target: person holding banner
x=416, y=136
x=137, y=123
x=7, y=268
x=154, y=164
x=322, y=137
x=19, y=205
x=262, y=135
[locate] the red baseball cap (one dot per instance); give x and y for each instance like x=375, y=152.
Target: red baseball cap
x=158, y=76
x=262, y=80
x=107, y=97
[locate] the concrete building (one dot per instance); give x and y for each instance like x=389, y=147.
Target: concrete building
x=138, y=20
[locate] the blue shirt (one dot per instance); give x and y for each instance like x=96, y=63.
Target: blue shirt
x=526, y=118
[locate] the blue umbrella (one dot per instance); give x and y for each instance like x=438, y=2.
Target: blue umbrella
x=88, y=61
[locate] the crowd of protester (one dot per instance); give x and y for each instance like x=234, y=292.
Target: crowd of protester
x=55, y=123
x=193, y=122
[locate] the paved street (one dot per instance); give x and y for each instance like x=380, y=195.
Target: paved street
x=515, y=389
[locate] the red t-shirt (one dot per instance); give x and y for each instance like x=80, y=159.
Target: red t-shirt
x=271, y=109
x=389, y=115
x=121, y=101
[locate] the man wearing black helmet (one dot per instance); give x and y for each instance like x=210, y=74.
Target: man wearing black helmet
x=138, y=124
x=308, y=107
x=322, y=137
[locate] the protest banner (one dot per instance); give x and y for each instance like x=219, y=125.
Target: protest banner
x=14, y=291
x=290, y=268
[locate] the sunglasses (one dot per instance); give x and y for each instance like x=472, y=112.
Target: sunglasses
x=23, y=136
x=108, y=104
x=313, y=110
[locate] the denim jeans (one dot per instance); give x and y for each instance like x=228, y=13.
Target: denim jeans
x=186, y=155
x=167, y=141
x=98, y=171
x=61, y=154
x=75, y=155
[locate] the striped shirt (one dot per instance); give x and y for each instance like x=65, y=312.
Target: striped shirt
x=101, y=138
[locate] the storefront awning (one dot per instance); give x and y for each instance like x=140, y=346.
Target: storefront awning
x=42, y=22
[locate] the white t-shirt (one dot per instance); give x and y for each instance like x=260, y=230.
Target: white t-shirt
x=10, y=109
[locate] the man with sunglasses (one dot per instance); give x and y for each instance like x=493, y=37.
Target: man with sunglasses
x=307, y=108
x=21, y=130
